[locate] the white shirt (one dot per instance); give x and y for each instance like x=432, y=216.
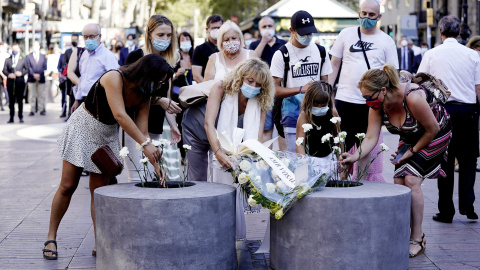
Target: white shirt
x=457, y=66
x=380, y=49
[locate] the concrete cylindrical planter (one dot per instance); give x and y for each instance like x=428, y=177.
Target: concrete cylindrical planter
x=364, y=227
x=157, y=228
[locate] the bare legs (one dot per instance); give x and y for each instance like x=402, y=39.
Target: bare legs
x=96, y=181
x=417, y=206
x=61, y=201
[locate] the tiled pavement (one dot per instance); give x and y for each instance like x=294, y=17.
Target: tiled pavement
x=30, y=172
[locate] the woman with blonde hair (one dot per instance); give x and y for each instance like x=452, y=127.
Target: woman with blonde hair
x=240, y=100
x=425, y=131
x=160, y=39
x=232, y=51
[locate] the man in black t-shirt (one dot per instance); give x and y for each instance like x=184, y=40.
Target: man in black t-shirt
x=269, y=43
x=203, y=52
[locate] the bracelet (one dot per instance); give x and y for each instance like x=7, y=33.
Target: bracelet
x=145, y=142
x=300, y=90
x=216, y=151
x=411, y=150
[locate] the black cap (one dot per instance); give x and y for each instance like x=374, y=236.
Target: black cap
x=302, y=22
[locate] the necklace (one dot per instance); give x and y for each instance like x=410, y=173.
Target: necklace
x=231, y=58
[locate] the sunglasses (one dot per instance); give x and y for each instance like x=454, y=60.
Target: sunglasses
x=370, y=97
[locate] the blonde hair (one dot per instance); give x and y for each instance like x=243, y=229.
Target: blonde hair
x=227, y=26
x=171, y=54
x=375, y=79
x=252, y=66
x=319, y=92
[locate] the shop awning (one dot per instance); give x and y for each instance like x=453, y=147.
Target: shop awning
x=317, y=8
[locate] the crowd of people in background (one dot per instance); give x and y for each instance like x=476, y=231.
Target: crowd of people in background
x=267, y=85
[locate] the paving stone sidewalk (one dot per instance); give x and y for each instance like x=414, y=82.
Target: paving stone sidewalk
x=30, y=169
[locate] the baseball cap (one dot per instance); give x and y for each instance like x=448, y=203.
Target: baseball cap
x=302, y=22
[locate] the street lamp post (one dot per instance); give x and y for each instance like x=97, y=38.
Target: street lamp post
x=465, y=32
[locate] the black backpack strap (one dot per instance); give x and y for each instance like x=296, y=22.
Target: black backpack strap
x=286, y=61
x=363, y=48
x=323, y=54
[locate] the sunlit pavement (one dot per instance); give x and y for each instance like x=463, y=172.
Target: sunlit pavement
x=30, y=169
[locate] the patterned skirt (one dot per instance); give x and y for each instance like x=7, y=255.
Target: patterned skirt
x=82, y=136
x=427, y=163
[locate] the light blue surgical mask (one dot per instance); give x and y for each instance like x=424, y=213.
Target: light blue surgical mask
x=304, y=40
x=367, y=23
x=91, y=44
x=248, y=42
x=320, y=111
x=160, y=44
x=249, y=91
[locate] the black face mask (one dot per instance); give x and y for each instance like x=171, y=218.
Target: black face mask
x=74, y=43
x=118, y=48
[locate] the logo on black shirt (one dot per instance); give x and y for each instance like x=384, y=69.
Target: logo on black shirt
x=357, y=47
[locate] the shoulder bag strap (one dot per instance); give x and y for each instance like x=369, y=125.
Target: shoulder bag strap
x=363, y=48
x=286, y=61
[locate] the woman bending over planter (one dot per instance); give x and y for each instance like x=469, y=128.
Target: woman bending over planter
x=240, y=100
x=95, y=124
x=425, y=130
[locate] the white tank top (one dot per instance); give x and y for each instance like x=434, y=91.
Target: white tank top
x=220, y=69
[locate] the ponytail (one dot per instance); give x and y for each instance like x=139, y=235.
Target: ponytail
x=375, y=79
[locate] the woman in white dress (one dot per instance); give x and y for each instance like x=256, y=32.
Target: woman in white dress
x=240, y=100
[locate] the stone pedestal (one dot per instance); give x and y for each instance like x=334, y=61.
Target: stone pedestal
x=365, y=227
x=174, y=228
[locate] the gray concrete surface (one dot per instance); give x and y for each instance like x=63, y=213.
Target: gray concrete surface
x=158, y=228
x=334, y=227
x=30, y=169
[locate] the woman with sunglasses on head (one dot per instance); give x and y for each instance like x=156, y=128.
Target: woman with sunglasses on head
x=112, y=98
x=425, y=130
x=160, y=39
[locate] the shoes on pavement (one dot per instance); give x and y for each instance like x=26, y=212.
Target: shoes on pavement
x=31, y=114
x=422, y=244
x=10, y=121
x=21, y=120
x=63, y=115
x=441, y=218
x=470, y=215
x=54, y=253
x=43, y=113
x=478, y=169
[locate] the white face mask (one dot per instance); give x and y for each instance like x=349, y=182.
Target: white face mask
x=185, y=46
x=214, y=34
x=404, y=43
x=130, y=43
x=263, y=32
x=36, y=49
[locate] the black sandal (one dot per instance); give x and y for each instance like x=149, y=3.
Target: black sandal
x=54, y=255
x=422, y=244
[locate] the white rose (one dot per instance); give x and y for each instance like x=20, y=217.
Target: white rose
x=186, y=146
x=164, y=142
x=251, y=201
x=335, y=120
x=271, y=188
x=143, y=161
x=336, y=140
x=282, y=186
x=342, y=134
x=245, y=165
x=242, y=178
x=360, y=136
x=298, y=65
x=336, y=150
x=384, y=147
x=156, y=143
x=306, y=127
x=262, y=165
x=326, y=138
x=299, y=141
x=124, y=152
x=286, y=161
x=138, y=147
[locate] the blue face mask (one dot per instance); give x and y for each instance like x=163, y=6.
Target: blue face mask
x=91, y=44
x=14, y=52
x=249, y=91
x=160, y=44
x=320, y=111
x=367, y=23
x=304, y=40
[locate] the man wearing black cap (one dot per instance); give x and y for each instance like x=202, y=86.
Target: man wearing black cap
x=305, y=65
x=359, y=49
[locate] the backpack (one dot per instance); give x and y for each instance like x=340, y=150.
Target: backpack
x=436, y=86
x=277, y=105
